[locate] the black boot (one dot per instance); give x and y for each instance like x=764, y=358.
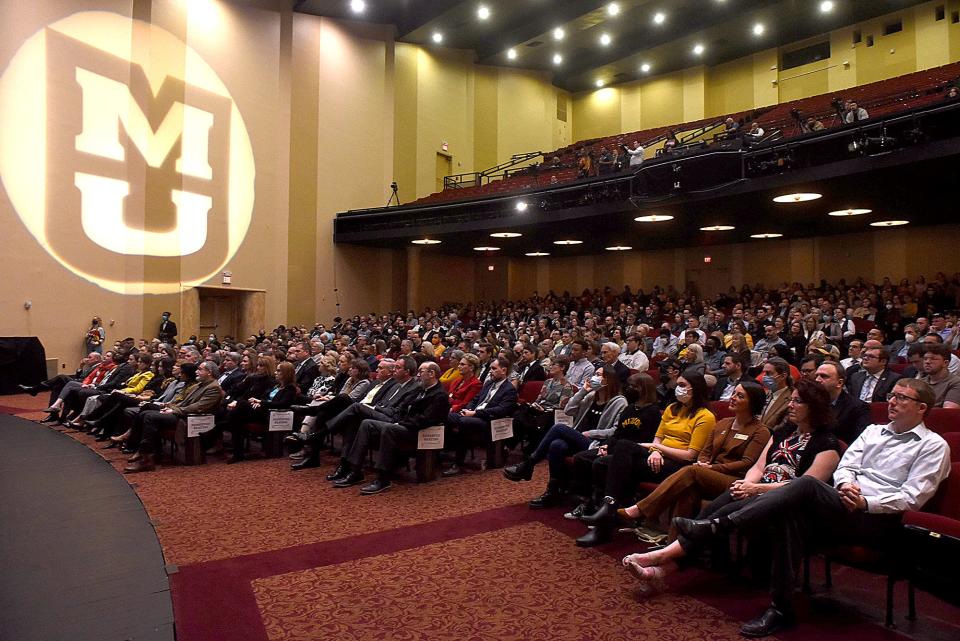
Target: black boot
x=606, y=513
x=32, y=390
x=520, y=472
x=342, y=472
x=601, y=533
x=549, y=498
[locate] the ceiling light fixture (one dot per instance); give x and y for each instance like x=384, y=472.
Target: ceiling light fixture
x=758, y=29
x=425, y=241
x=653, y=218
x=718, y=228
x=600, y=82
x=568, y=242
x=605, y=39
x=559, y=33
x=645, y=67
x=659, y=17
x=619, y=248
x=890, y=223
x=521, y=206
x=486, y=249
x=796, y=198
x=537, y=254
x=358, y=6
x=511, y=54
x=483, y=12
x=765, y=235
x=826, y=6
x=506, y=234
x=613, y=9
x=557, y=58
x=437, y=37
x=850, y=212
x=698, y=49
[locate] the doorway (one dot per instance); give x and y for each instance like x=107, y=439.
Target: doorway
x=444, y=168
x=218, y=314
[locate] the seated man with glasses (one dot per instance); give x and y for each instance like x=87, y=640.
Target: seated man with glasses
x=888, y=470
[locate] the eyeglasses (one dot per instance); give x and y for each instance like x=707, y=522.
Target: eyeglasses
x=901, y=397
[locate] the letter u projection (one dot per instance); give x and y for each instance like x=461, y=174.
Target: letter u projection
x=124, y=153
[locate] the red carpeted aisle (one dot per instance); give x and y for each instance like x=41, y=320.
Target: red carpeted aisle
x=263, y=553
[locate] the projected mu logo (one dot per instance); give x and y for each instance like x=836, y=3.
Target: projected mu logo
x=124, y=154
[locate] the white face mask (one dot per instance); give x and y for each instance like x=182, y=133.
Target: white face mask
x=910, y=338
x=683, y=393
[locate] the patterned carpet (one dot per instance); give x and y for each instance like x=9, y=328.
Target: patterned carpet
x=262, y=553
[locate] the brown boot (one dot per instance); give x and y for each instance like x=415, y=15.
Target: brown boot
x=145, y=464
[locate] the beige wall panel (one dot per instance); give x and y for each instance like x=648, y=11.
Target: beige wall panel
x=596, y=113
x=563, y=274
x=444, y=278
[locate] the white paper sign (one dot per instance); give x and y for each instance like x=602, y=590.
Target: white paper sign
x=430, y=438
x=562, y=419
x=281, y=421
x=501, y=428
x=197, y=425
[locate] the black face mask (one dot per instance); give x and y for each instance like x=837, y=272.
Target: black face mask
x=632, y=395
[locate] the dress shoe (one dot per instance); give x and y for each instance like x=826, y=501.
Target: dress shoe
x=127, y=450
x=605, y=514
x=109, y=446
x=578, y=512
x=94, y=424
x=695, y=530
x=341, y=472
x=519, y=472
x=53, y=417
x=297, y=456
x=597, y=536
x=295, y=438
x=627, y=520
x=144, y=464
x=549, y=498
x=305, y=464
x=236, y=459
x=52, y=410
x=771, y=621
x=453, y=470
x=349, y=480
x=32, y=390
x=378, y=485
x=136, y=457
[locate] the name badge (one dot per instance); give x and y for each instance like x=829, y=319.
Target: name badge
x=741, y=437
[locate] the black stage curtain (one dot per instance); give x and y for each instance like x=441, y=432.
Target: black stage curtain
x=22, y=361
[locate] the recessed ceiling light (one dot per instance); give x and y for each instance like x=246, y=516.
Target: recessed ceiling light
x=600, y=82
x=537, y=254
x=613, y=9
x=506, y=234
x=437, y=37
x=483, y=12
x=618, y=248
x=559, y=33
x=653, y=218
x=850, y=212
x=718, y=228
x=659, y=17
x=645, y=67
x=512, y=54
x=357, y=6
x=826, y=6
x=568, y=242
x=765, y=235
x=486, y=249
x=557, y=58
x=758, y=29
x=890, y=223
x=796, y=198
x=425, y=241
x=605, y=39
x=521, y=206
x=698, y=49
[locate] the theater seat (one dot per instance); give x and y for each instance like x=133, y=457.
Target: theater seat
x=529, y=392
x=942, y=420
x=721, y=409
x=878, y=413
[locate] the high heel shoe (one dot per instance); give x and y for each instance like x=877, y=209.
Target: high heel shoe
x=627, y=520
x=121, y=438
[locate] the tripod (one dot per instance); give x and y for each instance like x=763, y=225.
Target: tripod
x=395, y=196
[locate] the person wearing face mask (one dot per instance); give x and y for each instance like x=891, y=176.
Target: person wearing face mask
x=168, y=329
x=776, y=380
x=899, y=348
x=684, y=429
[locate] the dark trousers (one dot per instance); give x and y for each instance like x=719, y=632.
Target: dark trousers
x=109, y=412
x=153, y=422
x=795, y=518
x=75, y=399
x=461, y=432
x=133, y=422
x=347, y=424
x=560, y=442
x=238, y=419
x=618, y=474
x=530, y=426
x=394, y=438
x=56, y=385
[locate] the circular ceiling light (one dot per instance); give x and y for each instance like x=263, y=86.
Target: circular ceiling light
x=521, y=206
x=425, y=241
x=659, y=17
x=619, y=248
x=557, y=58
x=796, y=198
x=605, y=39
x=890, y=223
x=486, y=249
x=558, y=33
x=645, y=67
x=512, y=54
x=568, y=242
x=826, y=6
x=718, y=228
x=483, y=12
x=653, y=218
x=765, y=235
x=698, y=49
x=506, y=234
x=850, y=212
x=600, y=83
x=537, y=254
x=613, y=9
x=758, y=29
x=358, y=6
x=437, y=37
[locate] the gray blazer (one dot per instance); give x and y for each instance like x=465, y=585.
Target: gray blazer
x=580, y=404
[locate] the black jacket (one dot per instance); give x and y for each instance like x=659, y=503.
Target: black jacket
x=306, y=373
x=394, y=403
x=284, y=398
x=231, y=381
x=503, y=403
x=118, y=378
x=532, y=372
x=429, y=407
x=887, y=380
x=851, y=416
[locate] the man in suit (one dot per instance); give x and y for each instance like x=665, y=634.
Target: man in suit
x=851, y=415
x=428, y=408
x=204, y=398
x=610, y=354
x=732, y=375
x=231, y=374
x=497, y=399
x=168, y=329
x=115, y=379
x=874, y=379
x=485, y=354
x=529, y=367
x=305, y=368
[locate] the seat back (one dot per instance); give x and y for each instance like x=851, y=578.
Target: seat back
x=946, y=502
x=942, y=420
x=720, y=409
x=878, y=413
x=529, y=391
x=953, y=441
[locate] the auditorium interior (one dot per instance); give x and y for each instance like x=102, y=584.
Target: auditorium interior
x=343, y=184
